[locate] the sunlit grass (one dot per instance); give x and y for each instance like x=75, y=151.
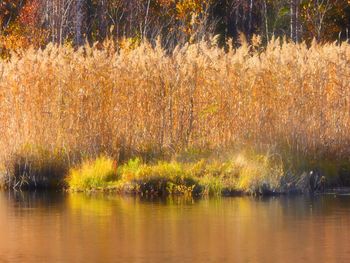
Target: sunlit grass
x=96, y=174
x=259, y=173
x=243, y=173
x=158, y=179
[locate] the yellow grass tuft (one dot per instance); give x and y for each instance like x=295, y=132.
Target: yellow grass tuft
x=92, y=175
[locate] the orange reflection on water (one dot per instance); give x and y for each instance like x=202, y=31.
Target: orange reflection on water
x=45, y=227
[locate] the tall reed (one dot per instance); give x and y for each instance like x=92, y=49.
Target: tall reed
x=144, y=100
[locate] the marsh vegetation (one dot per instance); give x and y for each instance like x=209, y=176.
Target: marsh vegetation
x=182, y=115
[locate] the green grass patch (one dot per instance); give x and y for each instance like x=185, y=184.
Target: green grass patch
x=244, y=172
x=161, y=178
x=190, y=173
x=90, y=175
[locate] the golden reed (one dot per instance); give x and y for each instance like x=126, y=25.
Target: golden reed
x=98, y=100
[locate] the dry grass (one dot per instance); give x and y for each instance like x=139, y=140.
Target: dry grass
x=143, y=101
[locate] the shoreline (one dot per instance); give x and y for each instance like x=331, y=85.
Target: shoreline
x=338, y=191
x=242, y=174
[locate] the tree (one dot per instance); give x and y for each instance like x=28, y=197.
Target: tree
x=30, y=22
x=321, y=18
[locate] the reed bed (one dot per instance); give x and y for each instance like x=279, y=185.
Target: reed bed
x=147, y=102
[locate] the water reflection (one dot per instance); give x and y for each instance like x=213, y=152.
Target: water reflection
x=58, y=227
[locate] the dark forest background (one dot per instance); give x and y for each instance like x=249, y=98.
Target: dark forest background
x=37, y=22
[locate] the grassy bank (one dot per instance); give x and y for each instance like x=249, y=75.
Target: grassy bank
x=60, y=107
x=191, y=173
x=243, y=173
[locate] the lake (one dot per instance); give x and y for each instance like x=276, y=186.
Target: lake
x=61, y=227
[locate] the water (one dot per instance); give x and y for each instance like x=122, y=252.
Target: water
x=43, y=227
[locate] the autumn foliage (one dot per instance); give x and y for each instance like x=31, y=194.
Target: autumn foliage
x=25, y=30
x=38, y=22
x=29, y=14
